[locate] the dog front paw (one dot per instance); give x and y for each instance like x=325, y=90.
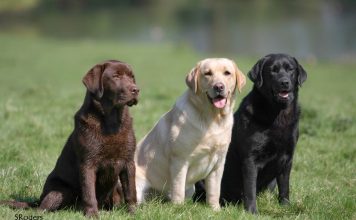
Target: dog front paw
x=252, y=209
x=131, y=209
x=284, y=201
x=91, y=213
x=215, y=207
x=178, y=202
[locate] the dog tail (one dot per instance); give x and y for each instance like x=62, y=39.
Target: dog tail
x=19, y=205
x=200, y=194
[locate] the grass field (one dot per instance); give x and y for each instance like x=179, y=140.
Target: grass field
x=41, y=89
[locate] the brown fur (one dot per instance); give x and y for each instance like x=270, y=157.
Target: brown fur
x=100, y=150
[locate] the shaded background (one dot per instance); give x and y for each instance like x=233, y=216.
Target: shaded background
x=318, y=29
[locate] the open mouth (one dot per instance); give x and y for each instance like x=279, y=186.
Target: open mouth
x=218, y=101
x=283, y=94
x=132, y=102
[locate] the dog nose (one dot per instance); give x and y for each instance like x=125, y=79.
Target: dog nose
x=284, y=83
x=219, y=87
x=135, y=90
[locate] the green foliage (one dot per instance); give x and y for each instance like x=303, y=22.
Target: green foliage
x=17, y=5
x=41, y=90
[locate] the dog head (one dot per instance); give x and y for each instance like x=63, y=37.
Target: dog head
x=277, y=77
x=112, y=81
x=216, y=79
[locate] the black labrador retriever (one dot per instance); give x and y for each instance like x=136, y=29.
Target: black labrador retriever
x=265, y=133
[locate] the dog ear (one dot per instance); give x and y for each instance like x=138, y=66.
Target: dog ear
x=192, y=78
x=302, y=74
x=93, y=80
x=255, y=74
x=240, y=78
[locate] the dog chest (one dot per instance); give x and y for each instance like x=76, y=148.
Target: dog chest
x=201, y=168
x=272, y=147
x=202, y=151
x=101, y=146
x=206, y=157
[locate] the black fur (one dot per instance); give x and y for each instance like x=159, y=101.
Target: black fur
x=265, y=133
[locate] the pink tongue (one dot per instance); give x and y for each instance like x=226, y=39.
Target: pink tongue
x=219, y=103
x=283, y=94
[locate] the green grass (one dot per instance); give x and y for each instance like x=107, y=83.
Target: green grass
x=41, y=89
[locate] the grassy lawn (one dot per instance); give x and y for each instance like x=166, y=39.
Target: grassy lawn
x=41, y=89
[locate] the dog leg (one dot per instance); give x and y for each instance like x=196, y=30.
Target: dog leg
x=57, y=199
x=127, y=178
x=249, y=173
x=178, y=171
x=141, y=188
x=88, y=180
x=213, y=184
x=190, y=192
x=117, y=194
x=283, y=184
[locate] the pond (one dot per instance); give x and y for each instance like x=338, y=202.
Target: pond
x=307, y=29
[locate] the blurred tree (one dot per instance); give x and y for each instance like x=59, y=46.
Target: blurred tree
x=9, y=6
x=17, y=5
x=89, y=4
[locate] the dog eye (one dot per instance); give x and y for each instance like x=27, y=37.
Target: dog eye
x=209, y=73
x=275, y=69
x=288, y=68
x=227, y=73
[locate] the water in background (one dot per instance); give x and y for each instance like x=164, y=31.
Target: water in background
x=309, y=29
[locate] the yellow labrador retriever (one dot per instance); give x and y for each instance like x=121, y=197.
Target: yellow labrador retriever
x=189, y=143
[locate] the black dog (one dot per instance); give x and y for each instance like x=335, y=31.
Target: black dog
x=265, y=133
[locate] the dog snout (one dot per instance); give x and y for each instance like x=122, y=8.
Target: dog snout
x=135, y=90
x=219, y=87
x=284, y=83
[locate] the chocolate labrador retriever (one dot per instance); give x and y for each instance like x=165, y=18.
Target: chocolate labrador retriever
x=265, y=133
x=101, y=148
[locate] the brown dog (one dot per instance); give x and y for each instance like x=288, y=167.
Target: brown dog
x=101, y=148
